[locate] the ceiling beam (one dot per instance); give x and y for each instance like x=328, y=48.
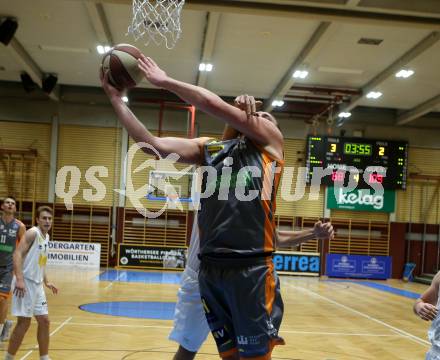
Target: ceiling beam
x=212, y=21
x=30, y=66
x=352, y=15
x=410, y=55
x=287, y=80
x=353, y=3
x=99, y=22
x=418, y=111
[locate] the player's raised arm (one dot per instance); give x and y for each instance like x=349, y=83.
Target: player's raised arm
x=189, y=150
x=261, y=127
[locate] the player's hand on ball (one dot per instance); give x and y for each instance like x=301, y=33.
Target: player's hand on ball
x=152, y=72
x=426, y=311
x=109, y=89
x=323, y=230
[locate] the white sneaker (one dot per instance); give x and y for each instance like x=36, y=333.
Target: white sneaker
x=4, y=336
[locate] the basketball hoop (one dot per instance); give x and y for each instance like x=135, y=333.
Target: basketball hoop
x=157, y=21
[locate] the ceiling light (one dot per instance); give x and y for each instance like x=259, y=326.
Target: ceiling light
x=374, y=95
x=277, y=103
x=205, y=67
x=404, y=73
x=344, y=114
x=102, y=49
x=300, y=74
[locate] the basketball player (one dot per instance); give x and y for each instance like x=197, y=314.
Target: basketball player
x=237, y=280
x=426, y=307
x=11, y=232
x=29, y=298
x=190, y=326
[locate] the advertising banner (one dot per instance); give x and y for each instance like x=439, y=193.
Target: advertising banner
x=297, y=263
x=358, y=266
x=151, y=257
x=67, y=253
x=361, y=200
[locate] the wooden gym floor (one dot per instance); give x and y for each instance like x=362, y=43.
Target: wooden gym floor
x=325, y=320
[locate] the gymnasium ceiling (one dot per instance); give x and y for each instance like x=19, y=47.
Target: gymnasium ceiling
x=254, y=46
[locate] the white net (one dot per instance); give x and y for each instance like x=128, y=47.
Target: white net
x=157, y=21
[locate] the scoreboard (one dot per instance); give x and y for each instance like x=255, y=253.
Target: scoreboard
x=342, y=154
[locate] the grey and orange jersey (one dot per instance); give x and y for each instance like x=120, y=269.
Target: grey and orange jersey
x=236, y=217
x=8, y=241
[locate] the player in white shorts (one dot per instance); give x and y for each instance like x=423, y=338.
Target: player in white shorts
x=29, y=298
x=190, y=326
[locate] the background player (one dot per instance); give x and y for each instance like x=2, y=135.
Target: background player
x=29, y=298
x=11, y=232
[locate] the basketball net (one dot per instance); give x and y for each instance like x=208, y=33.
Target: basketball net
x=157, y=21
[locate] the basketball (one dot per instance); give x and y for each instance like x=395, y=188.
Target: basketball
x=121, y=61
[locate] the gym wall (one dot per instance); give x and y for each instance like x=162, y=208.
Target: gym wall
x=90, y=135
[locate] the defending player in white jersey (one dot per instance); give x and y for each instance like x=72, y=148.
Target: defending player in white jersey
x=29, y=298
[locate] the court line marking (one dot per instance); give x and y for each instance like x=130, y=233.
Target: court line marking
x=119, y=325
x=283, y=330
x=336, y=333
x=114, y=280
x=52, y=333
x=380, y=287
x=334, y=302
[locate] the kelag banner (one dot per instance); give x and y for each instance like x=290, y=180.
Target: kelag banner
x=361, y=200
x=358, y=266
x=151, y=257
x=297, y=263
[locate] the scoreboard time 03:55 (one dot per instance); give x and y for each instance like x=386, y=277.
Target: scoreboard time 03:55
x=341, y=153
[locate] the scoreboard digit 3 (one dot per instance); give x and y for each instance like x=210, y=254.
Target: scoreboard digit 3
x=341, y=153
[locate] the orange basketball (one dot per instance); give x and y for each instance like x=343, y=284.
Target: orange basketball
x=121, y=61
